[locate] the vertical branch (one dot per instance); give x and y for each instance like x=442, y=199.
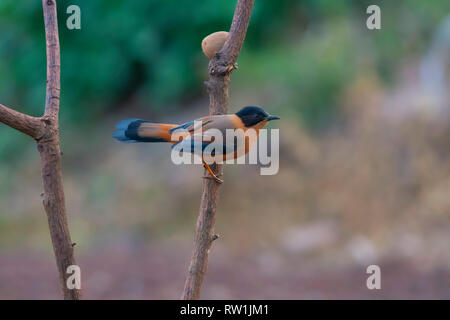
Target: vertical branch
x=49, y=149
x=45, y=131
x=220, y=68
x=53, y=59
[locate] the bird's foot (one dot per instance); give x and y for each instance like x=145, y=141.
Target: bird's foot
x=232, y=67
x=215, y=178
x=212, y=175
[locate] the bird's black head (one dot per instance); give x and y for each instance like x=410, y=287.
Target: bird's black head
x=252, y=115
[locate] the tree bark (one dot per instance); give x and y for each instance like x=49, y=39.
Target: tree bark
x=45, y=131
x=220, y=68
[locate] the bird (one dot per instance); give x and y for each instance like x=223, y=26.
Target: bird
x=193, y=136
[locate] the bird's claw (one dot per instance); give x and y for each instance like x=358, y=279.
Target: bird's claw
x=215, y=178
x=232, y=67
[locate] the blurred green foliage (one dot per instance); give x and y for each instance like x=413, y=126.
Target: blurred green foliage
x=148, y=50
x=147, y=53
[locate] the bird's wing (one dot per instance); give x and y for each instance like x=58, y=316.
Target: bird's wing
x=203, y=142
x=194, y=124
x=220, y=122
x=198, y=146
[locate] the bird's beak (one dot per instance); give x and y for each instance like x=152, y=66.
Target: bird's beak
x=269, y=118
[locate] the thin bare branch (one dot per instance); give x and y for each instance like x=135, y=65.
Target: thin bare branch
x=53, y=59
x=49, y=149
x=238, y=30
x=24, y=123
x=220, y=68
x=223, y=62
x=45, y=130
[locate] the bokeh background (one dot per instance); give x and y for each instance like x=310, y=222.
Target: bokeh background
x=364, y=153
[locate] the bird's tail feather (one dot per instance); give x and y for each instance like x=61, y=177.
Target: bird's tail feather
x=137, y=130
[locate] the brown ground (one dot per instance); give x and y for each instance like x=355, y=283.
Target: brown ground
x=158, y=273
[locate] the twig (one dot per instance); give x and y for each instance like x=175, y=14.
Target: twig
x=220, y=68
x=19, y=121
x=45, y=131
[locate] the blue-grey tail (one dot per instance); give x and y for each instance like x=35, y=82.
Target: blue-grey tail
x=128, y=131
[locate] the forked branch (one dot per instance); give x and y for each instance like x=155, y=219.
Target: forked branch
x=45, y=131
